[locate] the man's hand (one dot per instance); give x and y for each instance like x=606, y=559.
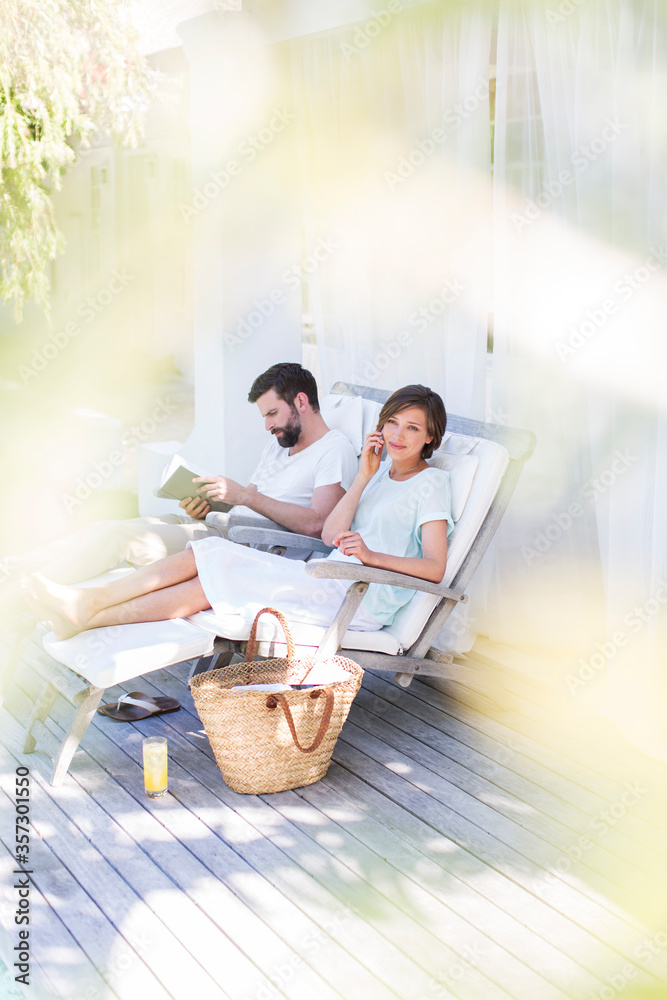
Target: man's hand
x=221, y=488
x=196, y=507
x=350, y=543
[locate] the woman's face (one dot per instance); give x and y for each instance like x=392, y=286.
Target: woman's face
x=405, y=435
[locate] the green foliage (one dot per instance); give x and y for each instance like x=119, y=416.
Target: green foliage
x=68, y=68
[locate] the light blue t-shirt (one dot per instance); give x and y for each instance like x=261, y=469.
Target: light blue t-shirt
x=389, y=517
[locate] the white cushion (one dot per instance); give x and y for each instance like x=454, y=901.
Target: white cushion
x=114, y=654
x=491, y=462
x=354, y=416
x=458, y=444
x=345, y=414
x=461, y=469
x=235, y=628
x=371, y=412
x=493, y=459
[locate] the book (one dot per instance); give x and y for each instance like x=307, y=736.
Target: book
x=177, y=485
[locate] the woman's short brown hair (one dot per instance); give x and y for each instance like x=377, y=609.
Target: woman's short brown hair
x=425, y=399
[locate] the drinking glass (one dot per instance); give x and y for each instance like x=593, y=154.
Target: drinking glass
x=155, y=766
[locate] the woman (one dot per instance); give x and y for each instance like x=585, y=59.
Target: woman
x=395, y=518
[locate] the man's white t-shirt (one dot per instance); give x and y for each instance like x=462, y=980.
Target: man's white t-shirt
x=293, y=478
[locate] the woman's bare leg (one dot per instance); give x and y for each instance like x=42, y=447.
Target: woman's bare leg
x=171, y=602
x=77, y=606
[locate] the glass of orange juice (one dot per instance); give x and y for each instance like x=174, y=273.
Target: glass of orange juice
x=155, y=766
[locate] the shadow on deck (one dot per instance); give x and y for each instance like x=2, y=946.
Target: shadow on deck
x=477, y=837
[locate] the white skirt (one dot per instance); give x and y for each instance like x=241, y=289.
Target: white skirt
x=239, y=580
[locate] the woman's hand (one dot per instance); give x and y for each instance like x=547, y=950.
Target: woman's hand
x=350, y=543
x=340, y=519
x=371, y=454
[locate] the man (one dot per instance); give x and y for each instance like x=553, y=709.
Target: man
x=303, y=473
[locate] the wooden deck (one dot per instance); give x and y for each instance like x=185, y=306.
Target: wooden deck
x=476, y=838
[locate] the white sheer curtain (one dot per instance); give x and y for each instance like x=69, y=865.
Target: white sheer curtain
x=395, y=141
x=577, y=229
x=579, y=352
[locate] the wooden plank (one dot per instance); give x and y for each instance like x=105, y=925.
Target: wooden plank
x=480, y=753
x=508, y=894
x=525, y=672
x=564, y=733
x=173, y=692
x=479, y=679
x=69, y=684
x=309, y=932
x=494, y=902
x=11, y=653
x=464, y=765
x=354, y=852
x=402, y=694
x=212, y=803
x=373, y=738
x=537, y=687
x=57, y=948
x=614, y=934
x=329, y=569
x=149, y=826
x=419, y=964
x=58, y=967
x=500, y=727
x=376, y=946
x=621, y=882
x=514, y=753
x=469, y=726
x=468, y=880
x=44, y=738
x=116, y=919
x=427, y=929
x=422, y=905
x=487, y=921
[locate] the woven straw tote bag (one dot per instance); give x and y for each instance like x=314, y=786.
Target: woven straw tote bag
x=271, y=742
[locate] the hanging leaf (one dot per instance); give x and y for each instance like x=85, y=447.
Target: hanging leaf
x=69, y=69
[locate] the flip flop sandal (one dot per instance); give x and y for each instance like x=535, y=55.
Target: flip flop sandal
x=136, y=705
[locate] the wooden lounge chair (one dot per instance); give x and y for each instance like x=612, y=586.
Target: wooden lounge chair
x=485, y=461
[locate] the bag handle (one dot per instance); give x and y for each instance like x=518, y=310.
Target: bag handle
x=280, y=699
x=252, y=638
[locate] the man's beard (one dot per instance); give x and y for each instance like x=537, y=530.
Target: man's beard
x=291, y=432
